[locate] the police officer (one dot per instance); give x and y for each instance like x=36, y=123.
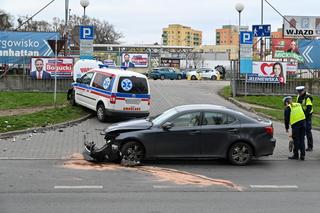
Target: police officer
x=294, y=115
x=305, y=99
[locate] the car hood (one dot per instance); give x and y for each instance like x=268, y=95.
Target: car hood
x=138, y=124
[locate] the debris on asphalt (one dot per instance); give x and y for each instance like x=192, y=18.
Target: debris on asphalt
x=34, y=131
x=13, y=139
x=4, y=149
x=60, y=130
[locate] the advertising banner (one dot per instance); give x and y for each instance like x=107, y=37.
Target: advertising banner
x=44, y=68
x=19, y=47
x=301, y=26
x=271, y=72
x=132, y=60
x=286, y=48
x=310, y=51
x=82, y=66
x=170, y=62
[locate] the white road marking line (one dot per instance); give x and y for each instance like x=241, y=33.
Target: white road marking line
x=175, y=187
x=78, y=187
x=274, y=186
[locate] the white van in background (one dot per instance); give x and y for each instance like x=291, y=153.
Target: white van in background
x=112, y=92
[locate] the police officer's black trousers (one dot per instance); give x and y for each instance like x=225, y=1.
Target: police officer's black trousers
x=298, y=134
x=309, y=133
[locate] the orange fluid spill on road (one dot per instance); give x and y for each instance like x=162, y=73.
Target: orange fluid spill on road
x=77, y=161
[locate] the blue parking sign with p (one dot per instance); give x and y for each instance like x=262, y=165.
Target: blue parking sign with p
x=246, y=38
x=86, y=33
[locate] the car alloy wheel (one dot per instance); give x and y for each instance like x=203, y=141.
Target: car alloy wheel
x=101, y=113
x=179, y=77
x=133, y=152
x=193, y=77
x=213, y=77
x=240, y=153
x=162, y=77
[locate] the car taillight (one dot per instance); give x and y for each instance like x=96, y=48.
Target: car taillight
x=113, y=99
x=269, y=130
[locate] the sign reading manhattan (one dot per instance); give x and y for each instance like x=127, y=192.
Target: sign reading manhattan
x=18, y=47
x=301, y=26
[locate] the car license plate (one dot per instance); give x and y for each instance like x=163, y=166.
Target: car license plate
x=133, y=101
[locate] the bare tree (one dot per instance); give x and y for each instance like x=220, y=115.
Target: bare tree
x=6, y=20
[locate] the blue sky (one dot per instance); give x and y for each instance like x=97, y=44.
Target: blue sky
x=141, y=21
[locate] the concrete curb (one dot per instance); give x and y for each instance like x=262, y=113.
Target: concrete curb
x=42, y=129
x=250, y=109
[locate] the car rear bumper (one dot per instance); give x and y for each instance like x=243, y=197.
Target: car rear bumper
x=266, y=148
x=137, y=114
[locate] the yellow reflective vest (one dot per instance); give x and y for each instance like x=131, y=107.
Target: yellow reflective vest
x=306, y=102
x=296, y=113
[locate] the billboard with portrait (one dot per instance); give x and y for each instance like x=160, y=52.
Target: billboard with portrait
x=46, y=68
x=132, y=60
x=268, y=72
x=286, y=48
x=301, y=26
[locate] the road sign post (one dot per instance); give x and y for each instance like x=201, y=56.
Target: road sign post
x=86, y=42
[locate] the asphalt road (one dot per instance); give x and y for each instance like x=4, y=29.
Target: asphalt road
x=42, y=173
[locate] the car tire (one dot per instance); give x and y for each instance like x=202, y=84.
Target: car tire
x=72, y=100
x=101, y=112
x=132, y=152
x=155, y=78
x=179, y=77
x=162, y=77
x=193, y=77
x=213, y=77
x=240, y=153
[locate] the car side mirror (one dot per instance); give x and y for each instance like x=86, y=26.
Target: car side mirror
x=167, y=125
x=79, y=80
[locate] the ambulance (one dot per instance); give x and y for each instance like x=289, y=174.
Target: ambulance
x=112, y=93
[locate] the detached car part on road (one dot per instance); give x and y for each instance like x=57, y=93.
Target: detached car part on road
x=189, y=131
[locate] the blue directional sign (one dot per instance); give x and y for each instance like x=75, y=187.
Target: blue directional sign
x=86, y=33
x=310, y=51
x=261, y=30
x=246, y=38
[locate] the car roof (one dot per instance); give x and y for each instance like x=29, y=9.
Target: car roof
x=200, y=107
x=119, y=72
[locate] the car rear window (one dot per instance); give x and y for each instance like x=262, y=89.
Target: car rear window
x=133, y=85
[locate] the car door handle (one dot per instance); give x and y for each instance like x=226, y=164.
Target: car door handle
x=233, y=130
x=194, y=132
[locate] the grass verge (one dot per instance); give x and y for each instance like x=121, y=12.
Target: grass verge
x=274, y=103
x=16, y=100
x=42, y=118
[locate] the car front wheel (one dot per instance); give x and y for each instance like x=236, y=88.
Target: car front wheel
x=193, y=77
x=72, y=98
x=179, y=77
x=162, y=77
x=101, y=113
x=240, y=154
x=133, y=152
x=213, y=77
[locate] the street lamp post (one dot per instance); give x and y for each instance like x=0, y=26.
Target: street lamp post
x=84, y=4
x=239, y=7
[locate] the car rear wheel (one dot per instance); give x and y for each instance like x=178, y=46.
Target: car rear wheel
x=193, y=77
x=155, y=78
x=132, y=152
x=179, y=77
x=213, y=77
x=240, y=154
x=101, y=113
x=72, y=98
x=162, y=77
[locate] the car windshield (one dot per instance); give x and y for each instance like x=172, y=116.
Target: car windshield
x=164, y=116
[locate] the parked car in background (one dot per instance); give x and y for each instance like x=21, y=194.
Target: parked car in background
x=203, y=73
x=189, y=131
x=165, y=73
